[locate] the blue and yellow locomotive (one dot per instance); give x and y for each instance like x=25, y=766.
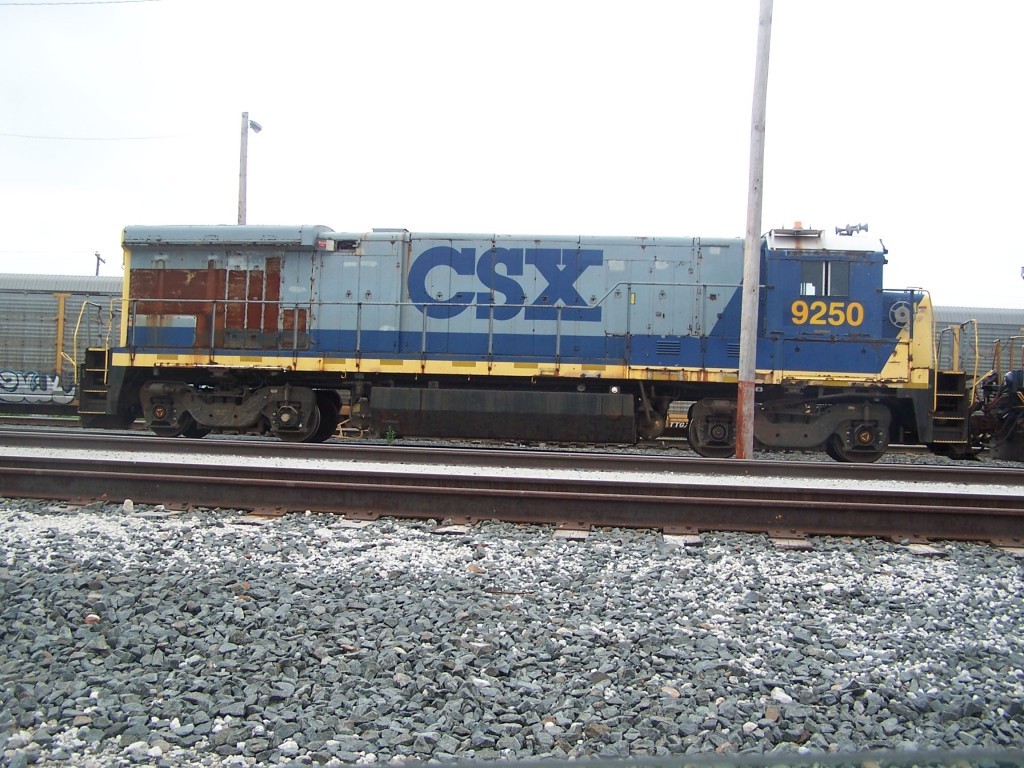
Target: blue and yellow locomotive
x=296, y=331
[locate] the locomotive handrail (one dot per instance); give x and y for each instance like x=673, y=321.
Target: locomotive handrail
x=131, y=322
x=213, y=329
x=977, y=359
x=953, y=333
x=213, y=314
x=133, y=313
x=114, y=310
x=73, y=358
x=997, y=354
x=956, y=355
x=939, y=335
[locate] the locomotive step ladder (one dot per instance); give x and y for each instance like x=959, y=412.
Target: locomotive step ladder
x=953, y=395
x=92, y=396
x=952, y=409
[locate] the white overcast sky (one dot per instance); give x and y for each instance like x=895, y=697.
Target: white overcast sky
x=550, y=117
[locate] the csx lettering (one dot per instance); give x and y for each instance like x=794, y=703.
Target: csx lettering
x=503, y=297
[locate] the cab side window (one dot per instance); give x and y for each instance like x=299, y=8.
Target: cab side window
x=825, y=278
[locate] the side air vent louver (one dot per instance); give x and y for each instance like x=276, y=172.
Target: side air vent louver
x=667, y=347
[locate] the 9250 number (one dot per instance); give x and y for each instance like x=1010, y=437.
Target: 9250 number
x=831, y=313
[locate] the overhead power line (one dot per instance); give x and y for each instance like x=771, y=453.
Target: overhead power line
x=81, y=2
x=82, y=138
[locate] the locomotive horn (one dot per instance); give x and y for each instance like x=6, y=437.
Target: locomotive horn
x=851, y=229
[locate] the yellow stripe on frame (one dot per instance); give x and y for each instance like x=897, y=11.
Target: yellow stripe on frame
x=345, y=366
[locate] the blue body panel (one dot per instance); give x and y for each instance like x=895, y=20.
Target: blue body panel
x=644, y=302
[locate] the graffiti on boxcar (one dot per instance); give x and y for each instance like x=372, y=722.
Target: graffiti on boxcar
x=33, y=387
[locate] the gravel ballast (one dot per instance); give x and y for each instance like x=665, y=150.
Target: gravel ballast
x=133, y=636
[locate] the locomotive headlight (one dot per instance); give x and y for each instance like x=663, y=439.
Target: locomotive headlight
x=614, y=390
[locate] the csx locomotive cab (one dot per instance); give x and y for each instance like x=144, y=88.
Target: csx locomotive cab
x=835, y=351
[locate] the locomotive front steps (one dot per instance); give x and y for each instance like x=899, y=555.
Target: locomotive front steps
x=92, y=396
x=950, y=417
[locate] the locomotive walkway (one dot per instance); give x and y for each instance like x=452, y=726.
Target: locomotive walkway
x=568, y=489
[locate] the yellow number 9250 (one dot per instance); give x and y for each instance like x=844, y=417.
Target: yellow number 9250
x=832, y=313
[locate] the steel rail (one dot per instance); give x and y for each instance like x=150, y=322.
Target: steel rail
x=467, y=455
x=675, y=507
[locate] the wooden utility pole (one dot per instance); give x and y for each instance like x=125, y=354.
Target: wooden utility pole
x=752, y=244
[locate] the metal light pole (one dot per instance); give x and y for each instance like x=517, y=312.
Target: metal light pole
x=752, y=245
x=244, y=161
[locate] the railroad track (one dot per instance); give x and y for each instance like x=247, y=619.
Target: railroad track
x=571, y=490
x=469, y=455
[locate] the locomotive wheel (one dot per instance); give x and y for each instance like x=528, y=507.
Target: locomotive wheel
x=837, y=450
x=651, y=428
x=187, y=428
x=304, y=435
x=329, y=412
x=710, y=451
x=195, y=431
x=710, y=436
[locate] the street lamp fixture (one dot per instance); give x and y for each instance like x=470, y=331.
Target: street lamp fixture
x=243, y=162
